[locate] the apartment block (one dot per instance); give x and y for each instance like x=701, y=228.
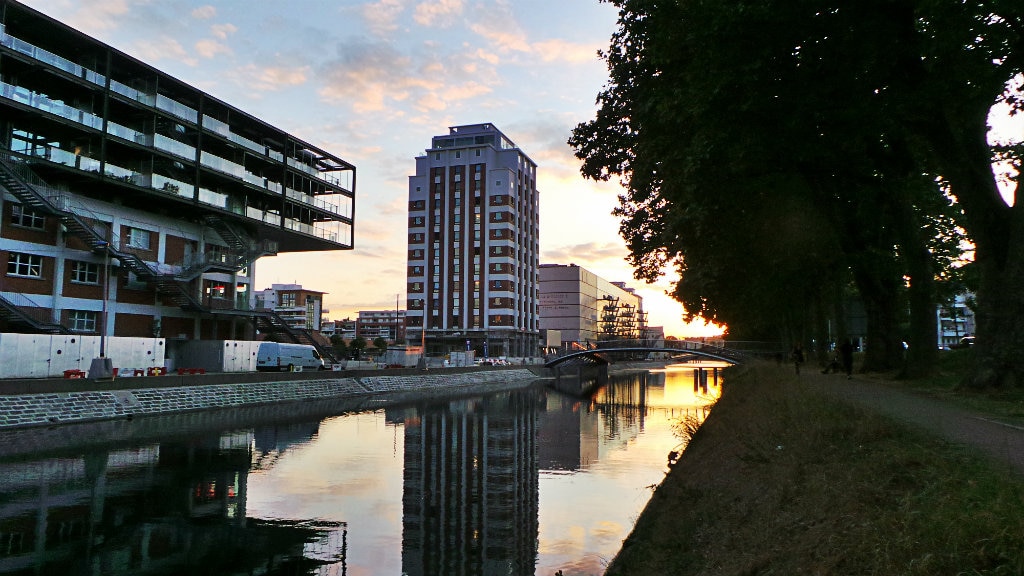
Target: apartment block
x=473, y=245
x=134, y=204
x=386, y=324
x=300, y=307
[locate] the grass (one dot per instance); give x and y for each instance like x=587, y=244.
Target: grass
x=781, y=480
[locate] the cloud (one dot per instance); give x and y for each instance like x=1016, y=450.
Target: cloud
x=381, y=16
x=367, y=74
x=564, y=51
x=210, y=48
x=222, y=31
x=437, y=13
x=204, y=12
x=162, y=48
x=585, y=252
x=504, y=34
x=271, y=78
x=90, y=17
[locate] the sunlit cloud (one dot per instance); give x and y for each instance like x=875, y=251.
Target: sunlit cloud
x=210, y=48
x=271, y=78
x=382, y=16
x=437, y=13
x=590, y=251
x=91, y=17
x=163, y=48
x=565, y=51
x=222, y=31
x=504, y=35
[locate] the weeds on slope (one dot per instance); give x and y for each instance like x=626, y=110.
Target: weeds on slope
x=781, y=480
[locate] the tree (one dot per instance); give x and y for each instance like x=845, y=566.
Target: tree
x=356, y=346
x=381, y=345
x=718, y=116
x=340, y=348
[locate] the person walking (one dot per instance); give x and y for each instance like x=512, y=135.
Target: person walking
x=846, y=356
x=797, y=356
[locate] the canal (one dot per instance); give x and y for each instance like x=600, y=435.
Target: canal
x=519, y=483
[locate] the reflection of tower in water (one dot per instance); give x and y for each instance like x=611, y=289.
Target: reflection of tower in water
x=471, y=498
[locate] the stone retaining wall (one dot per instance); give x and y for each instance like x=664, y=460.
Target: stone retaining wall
x=67, y=407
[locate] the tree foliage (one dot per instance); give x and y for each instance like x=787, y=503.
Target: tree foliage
x=777, y=152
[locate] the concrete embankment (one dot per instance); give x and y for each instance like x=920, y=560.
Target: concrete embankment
x=46, y=403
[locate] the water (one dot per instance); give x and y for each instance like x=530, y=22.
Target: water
x=526, y=482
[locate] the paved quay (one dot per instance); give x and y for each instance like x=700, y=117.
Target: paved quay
x=34, y=403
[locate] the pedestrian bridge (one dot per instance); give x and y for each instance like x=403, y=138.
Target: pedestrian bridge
x=609, y=352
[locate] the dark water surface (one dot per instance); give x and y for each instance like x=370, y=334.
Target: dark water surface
x=519, y=483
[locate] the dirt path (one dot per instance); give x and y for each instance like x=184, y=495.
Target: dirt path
x=1001, y=441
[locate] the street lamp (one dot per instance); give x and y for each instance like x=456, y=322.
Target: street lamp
x=102, y=367
x=106, y=294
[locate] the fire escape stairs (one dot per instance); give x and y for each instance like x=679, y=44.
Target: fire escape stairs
x=15, y=178
x=270, y=322
x=175, y=287
x=31, y=316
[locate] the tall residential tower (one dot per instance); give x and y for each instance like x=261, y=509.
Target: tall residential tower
x=473, y=245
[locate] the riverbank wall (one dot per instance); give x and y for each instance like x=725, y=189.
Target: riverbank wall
x=36, y=403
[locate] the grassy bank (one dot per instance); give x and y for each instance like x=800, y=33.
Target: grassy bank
x=781, y=480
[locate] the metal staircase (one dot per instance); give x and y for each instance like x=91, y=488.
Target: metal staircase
x=176, y=287
x=270, y=322
x=19, y=310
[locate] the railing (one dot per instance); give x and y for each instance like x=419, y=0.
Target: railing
x=31, y=311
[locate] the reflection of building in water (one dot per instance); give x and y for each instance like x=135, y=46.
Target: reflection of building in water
x=271, y=442
x=567, y=433
x=172, y=508
x=575, y=433
x=471, y=498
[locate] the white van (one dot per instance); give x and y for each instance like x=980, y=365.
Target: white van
x=278, y=357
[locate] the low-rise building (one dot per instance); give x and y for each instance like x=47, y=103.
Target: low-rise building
x=299, y=307
x=586, y=308
x=386, y=324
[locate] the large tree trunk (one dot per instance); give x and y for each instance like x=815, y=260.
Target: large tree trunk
x=880, y=294
x=923, y=338
x=999, y=349
x=998, y=234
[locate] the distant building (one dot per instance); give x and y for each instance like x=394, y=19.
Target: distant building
x=347, y=328
x=299, y=307
x=473, y=245
x=386, y=324
x=586, y=308
x=955, y=319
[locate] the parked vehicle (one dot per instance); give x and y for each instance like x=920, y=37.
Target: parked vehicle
x=279, y=357
x=965, y=342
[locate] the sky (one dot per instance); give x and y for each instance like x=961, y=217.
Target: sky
x=373, y=82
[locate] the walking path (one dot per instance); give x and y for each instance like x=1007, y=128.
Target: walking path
x=1000, y=440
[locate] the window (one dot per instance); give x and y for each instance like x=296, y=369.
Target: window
x=85, y=272
x=288, y=299
x=138, y=238
x=29, y=265
x=21, y=216
x=83, y=320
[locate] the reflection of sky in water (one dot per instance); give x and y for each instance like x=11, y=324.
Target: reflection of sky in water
x=352, y=472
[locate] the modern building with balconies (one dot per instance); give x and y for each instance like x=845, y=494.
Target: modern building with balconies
x=135, y=204
x=473, y=245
